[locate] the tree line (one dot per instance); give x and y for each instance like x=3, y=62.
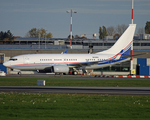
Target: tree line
x=112, y=31
x=36, y=33
x=6, y=35
x=119, y=30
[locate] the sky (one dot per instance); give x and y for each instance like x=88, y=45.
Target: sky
x=20, y=16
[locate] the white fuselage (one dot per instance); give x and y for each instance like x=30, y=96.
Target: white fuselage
x=42, y=61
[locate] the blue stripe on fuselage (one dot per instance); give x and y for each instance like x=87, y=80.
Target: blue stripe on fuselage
x=126, y=52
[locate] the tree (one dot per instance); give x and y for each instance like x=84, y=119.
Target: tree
x=116, y=36
x=6, y=35
x=110, y=30
x=42, y=32
x=141, y=31
x=121, y=28
x=49, y=35
x=147, y=28
x=10, y=35
x=34, y=33
x=102, y=32
x=1, y=35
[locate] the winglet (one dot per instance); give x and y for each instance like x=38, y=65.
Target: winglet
x=65, y=52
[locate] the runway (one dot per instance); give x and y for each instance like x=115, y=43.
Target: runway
x=80, y=90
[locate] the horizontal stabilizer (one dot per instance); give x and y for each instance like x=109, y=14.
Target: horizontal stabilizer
x=133, y=55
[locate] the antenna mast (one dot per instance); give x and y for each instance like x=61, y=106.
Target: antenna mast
x=132, y=71
x=132, y=11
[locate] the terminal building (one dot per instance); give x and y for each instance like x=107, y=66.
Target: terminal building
x=20, y=46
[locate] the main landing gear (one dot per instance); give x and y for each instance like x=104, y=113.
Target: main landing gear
x=19, y=73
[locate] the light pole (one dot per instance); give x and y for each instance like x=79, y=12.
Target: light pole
x=71, y=27
x=45, y=37
x=131, y=61
x=39, y=37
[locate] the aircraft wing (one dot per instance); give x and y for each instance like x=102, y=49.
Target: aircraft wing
x=88, y=63
x=80, y=64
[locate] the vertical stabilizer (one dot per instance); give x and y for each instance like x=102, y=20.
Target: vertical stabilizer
x=123, y=43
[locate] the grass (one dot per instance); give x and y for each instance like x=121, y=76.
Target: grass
x=42, y=106
x=75, y=82
x=72, y=106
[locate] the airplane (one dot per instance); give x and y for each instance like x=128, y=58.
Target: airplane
x=64, y=63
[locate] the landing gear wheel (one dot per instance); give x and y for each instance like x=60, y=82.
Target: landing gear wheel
x=75, y=73
x=19, y=73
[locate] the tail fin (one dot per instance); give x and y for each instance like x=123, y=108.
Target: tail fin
x=123, y=43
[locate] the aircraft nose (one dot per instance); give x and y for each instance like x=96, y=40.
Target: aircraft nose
x=6, y=63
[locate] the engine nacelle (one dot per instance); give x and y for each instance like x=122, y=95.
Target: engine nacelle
x=60, y=69
x=16, y=70
x=46, y=70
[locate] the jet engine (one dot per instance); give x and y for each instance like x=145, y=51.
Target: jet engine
x=60, y=69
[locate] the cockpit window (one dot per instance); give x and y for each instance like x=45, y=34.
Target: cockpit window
x=13, y=59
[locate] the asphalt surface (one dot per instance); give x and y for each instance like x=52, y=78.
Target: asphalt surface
x=80, y=90
x=64, y=76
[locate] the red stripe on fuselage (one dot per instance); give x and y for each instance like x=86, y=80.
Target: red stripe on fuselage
x=43, y=63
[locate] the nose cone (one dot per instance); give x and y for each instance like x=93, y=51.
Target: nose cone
x=6, y=64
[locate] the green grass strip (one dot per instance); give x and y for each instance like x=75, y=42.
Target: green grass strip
x=75, y=82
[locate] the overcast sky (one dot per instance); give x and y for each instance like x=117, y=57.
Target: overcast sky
x=19, y=16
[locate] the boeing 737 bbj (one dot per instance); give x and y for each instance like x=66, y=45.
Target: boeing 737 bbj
x=63, y=63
